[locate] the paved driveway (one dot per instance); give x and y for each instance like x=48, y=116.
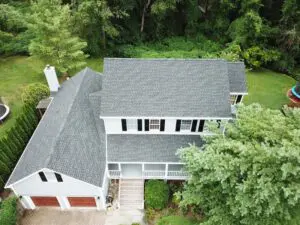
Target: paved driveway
x=57, y=217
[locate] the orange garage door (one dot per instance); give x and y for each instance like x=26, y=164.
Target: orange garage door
x=44, y=201
x=82, y=201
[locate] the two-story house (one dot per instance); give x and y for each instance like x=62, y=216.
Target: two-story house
x=126, y=123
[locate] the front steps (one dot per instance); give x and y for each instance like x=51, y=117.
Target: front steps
x=131, y=194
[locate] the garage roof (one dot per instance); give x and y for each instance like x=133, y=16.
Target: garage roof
x=70, y=138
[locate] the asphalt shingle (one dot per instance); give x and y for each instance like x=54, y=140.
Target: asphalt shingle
x=165, y=88
x=67, y=139
x=147, y=148
x=237, y=77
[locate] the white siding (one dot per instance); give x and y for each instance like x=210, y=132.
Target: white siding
x=114, y=126
x=33, y=186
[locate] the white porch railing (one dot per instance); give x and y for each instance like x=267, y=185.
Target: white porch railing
x=152, y=174
x=114, y=174
x=183, y=174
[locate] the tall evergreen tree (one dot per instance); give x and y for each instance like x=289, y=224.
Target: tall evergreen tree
x=50, y=22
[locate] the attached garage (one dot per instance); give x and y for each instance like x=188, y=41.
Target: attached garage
x=82, y=201
x=45, y=201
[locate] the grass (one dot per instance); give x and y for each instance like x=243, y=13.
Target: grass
x=268, y=88
x=176, y=220
x=18, y=71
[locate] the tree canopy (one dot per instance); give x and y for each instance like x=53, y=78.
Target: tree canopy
x=251, y=175
x=265, y=31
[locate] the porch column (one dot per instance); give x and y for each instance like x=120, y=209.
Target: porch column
x=166, y=171
x=63, y=202
x=143, y=169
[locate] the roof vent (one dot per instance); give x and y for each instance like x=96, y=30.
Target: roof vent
x=51, y=77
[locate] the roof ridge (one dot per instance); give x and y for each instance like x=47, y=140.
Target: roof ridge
x=68, y=112
x=168, y=59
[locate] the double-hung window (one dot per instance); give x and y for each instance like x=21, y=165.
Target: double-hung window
x=131, y=125
x=154, y=124
x=186, y=125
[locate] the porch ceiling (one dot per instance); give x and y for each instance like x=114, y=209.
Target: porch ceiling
x=147, y=148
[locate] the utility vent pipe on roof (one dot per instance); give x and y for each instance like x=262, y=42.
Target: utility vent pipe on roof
x=51, y=77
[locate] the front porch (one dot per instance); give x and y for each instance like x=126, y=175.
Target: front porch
x=166, y=171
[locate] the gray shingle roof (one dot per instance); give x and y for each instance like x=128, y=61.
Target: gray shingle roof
x=147, y=148
x=165, y=88
x=67, y=138
x=237, y=77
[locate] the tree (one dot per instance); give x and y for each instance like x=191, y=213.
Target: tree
x=251, y=175
x=92, y=23
x=50, y=22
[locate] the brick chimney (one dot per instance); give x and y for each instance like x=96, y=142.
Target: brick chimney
x=51, y=77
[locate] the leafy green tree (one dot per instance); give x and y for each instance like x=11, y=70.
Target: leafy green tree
x=251, y=175
x=92, y=21
x=13, y=36
x=50, y=22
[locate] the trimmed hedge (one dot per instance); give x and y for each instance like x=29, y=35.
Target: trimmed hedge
x=14, y=140
x=8, y=211
x=156, y=194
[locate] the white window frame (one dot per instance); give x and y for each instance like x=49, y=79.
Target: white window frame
x=131, y=124
x=233, y=101
x=157, y=125
x=50, y=176
x=186, y=129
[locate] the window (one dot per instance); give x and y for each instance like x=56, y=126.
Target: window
x=232, y=99
x=132, y=124
x=43, y=177
x=239, y=99
x=154, y=124
x=58, y=177
x=50, y=176
x=186, y=125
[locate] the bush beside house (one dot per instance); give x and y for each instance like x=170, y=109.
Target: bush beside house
x=14, y=140
x=8, y=211
x=156, y=194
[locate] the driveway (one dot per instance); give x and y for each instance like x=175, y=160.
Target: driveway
x=48, y=216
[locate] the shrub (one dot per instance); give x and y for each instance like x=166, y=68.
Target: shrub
x=150, y=214
x=8, y=212
x=35, y=92
x=156, y=194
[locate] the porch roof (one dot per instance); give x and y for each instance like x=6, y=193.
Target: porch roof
x=147, y=148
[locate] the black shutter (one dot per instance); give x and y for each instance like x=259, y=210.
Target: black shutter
x=239, y=99
x=194, y=125
x=201, y=125
x=58, y=177
x=43, y=177
x=147, y=125
x=140, y=124
x=162, y=125
x=178, y=123
x=124, y=125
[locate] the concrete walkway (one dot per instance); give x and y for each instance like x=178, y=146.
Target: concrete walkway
x=50, y=216
x=125, y=217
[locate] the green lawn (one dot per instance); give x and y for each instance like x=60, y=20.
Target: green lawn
x=17, y=72
x=268, y=88
x=176, y=220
